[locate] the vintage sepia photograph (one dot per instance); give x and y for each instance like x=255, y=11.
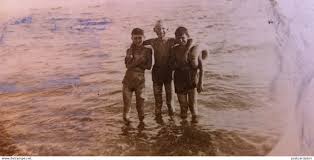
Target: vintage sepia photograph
x=156, y=78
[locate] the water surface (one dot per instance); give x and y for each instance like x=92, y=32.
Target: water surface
x=62, y=67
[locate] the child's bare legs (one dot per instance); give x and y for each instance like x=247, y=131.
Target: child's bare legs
x=169, y=97
x=157, y=87
x=127, y=97
x=183, y=105
x=193, y=104
x=140, y=103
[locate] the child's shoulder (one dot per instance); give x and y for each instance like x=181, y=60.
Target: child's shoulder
x=149, y=41
x=147, y=48
x=171, y=39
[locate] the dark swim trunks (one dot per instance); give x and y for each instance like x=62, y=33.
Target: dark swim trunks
x=161, y=75
x=185, y=80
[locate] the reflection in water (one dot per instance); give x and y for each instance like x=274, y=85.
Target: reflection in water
x=136, y=139
x=185, y=139
x=182, y=140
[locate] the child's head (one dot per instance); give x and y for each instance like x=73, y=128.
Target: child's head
x=137, y=36
x=204, y=54
x=182, y=35
x=159, y=29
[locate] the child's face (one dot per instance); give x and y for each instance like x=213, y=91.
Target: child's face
x=137, y=39
x=160, y=31
x=182, y=39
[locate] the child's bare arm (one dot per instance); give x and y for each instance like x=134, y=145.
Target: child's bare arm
x=171, y=61
x=201, y=73
x=172, y=41
x=130, y=61
x=128, y=58
x=194, y=57
x=135, y=63
x=148, y=42
x=148, y=64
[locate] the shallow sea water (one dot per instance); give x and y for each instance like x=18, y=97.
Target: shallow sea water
x=62, y=67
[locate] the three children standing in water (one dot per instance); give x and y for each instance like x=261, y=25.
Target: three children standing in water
x=177, y=54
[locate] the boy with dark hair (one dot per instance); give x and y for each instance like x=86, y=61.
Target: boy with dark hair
x=186, y=60
x=138, y=59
